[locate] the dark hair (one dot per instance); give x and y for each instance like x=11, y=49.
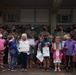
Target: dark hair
x=45, y=35
x=59, y=29
x=10, y=37
x=44, y=29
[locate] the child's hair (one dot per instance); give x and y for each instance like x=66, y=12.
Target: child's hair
x=50, y=37
x=10, y=37
x=24, y=35
x=57, y=37
x=65, y=36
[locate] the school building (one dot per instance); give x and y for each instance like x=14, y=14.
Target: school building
x=52, y=13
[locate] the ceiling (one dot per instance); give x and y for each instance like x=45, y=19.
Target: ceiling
x=26, y=3
x=36, y=3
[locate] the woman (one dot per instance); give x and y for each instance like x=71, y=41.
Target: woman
x=24, y=49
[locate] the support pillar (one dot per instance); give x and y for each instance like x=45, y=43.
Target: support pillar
x=53, y=22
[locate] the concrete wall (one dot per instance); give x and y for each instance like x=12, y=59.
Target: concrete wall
x=64, y=11
x=74, y=15
x=27, y=15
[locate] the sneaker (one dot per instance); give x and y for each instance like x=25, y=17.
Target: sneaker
x=12, y=70
x=71, y=70
x=55, y=70
x=22, y=70
x=67, y=70
x=3, y=70
x=9, y=69
x=44, y=69
x=25, y=70
x=59, y=69
x=47, y=69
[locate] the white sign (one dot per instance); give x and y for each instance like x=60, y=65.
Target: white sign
x=46, y=51
x=23, y=46
x=40, y=56
x=31, y=41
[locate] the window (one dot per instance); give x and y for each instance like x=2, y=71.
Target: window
x=64, y=18
x=10, y=17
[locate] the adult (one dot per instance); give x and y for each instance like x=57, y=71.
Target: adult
x=44, y=32
x=60, y=33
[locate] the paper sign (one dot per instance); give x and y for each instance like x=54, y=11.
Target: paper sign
x=31, y=41
x=46, y=51
x=40, y=56
x=23, y=47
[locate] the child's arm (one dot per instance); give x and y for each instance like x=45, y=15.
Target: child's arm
x=3, y=49
x=65, y=46
x=52, y=48
x=74, y=49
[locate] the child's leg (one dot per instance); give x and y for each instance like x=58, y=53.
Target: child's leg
x=1, y=61
x=71, y=61
x=59, y=66
x=48, y=63
x=12, y=63
x=44, y=62
x=67, y=61
x=55, y=67
x=30, y=63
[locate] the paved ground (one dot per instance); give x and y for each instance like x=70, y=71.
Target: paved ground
x=36, y=71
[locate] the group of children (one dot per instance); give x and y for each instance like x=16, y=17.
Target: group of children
x=57, y=49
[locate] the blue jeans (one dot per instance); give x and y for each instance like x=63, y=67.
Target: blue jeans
x=24, y=60
x=13, y=62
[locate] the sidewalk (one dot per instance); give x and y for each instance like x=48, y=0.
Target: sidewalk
x=36, y=71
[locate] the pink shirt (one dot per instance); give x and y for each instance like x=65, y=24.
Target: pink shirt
x=2, y=42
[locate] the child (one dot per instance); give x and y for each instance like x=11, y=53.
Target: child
x=38, y=48
x=51, y=52
x=70, y=47
x=13, y=52
x=57, y=53
x=2, y=48
x=31, y=52
x=24, y=47
x=74, y=57
x=46, y=45
x=64, y=54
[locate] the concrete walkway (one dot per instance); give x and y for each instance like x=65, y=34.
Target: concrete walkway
x=36, y=71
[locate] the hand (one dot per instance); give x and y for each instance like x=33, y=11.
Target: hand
x=66, y=47
x=72, y=54
x=3, y=49
x=19, y=47
x=57, y=57
x=38, y=49
x=48, y=43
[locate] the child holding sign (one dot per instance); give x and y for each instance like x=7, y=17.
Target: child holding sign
x=24, y=49
x=57, y=53
x=45, y=50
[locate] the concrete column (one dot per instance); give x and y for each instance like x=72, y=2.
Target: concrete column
x=53, y=22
